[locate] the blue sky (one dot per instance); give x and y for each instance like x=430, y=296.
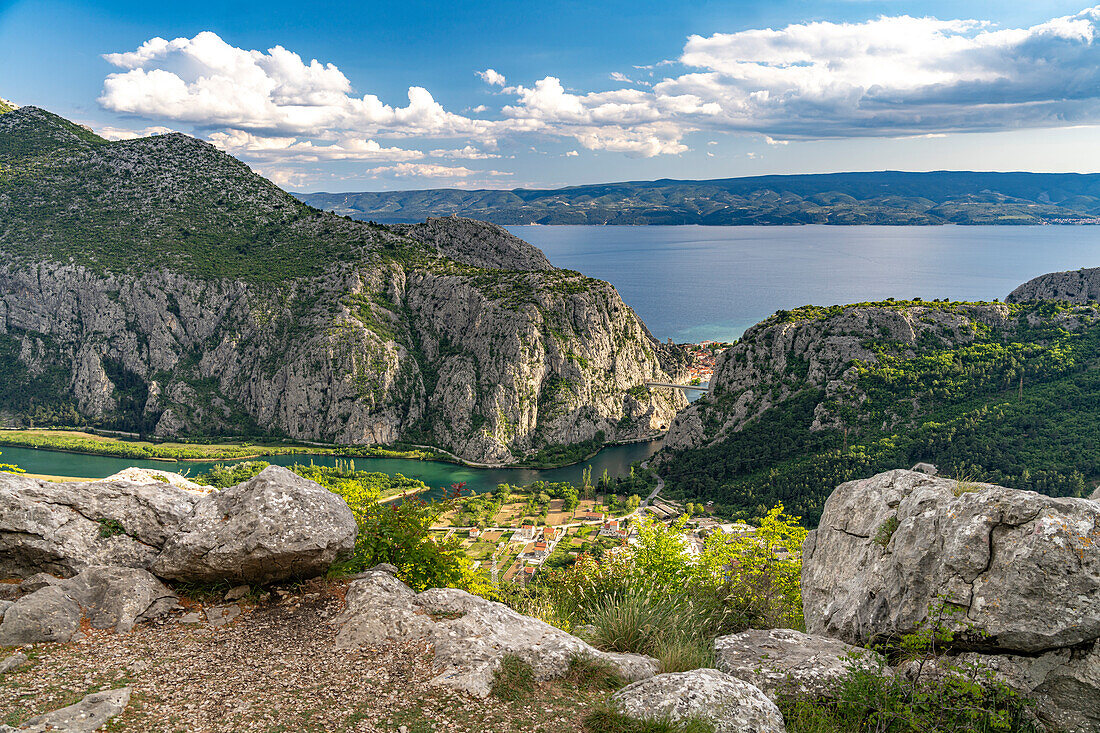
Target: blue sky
x=401, y=94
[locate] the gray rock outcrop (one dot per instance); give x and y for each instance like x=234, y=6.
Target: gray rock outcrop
x=1024, y=568
x=469, y=634
x=105, y=597
x=730, y=704
x=90, y=714
x=476, y=243
x=62, y=528
x=456, y=334
x=786, y=354
x=1020, y=571
x=785, y=661
x=1075, y=286
x=273, y=526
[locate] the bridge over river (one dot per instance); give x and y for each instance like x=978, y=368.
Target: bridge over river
x=697, y=387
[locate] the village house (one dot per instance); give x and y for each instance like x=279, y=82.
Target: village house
x=526, y=533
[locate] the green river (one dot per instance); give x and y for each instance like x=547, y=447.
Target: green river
x=615, y=459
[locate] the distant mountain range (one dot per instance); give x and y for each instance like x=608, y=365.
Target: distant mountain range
x=885, y=197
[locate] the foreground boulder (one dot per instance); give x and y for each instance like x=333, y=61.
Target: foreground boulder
x=1017, y=572
x=62, y=528
x=1022, y=568
x=90, y=714
x=104, y=597
x=274, y=526
x=469, y=634
x=730, y=704
x=785, y=661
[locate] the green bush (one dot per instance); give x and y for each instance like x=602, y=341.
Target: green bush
x=957, y=701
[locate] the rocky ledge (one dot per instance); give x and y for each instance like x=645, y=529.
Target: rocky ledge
x=1015, y=573
x=274, y=526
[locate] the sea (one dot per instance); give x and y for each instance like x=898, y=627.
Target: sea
x=696, y=283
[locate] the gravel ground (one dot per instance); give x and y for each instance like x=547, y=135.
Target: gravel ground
x=273, y=668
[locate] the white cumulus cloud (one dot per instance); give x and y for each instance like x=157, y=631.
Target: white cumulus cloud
x=492, y=77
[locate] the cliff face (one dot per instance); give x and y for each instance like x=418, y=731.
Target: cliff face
x=168, y=289
x=818, y=396
x=815, y=349
x=1077, y=286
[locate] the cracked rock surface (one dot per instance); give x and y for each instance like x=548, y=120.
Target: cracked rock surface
x=1020, y=570
x=469, y=634
x=105, y=597
x=785, y=661
x=729, y=704
x=1023, y=568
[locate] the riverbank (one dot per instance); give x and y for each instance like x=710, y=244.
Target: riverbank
x=117, y=445
x=65, y=440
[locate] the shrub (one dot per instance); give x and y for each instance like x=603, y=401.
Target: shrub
x=886, y=530
x=960, y=700
x=940, y=696
x=514, y=679
x=110, y=528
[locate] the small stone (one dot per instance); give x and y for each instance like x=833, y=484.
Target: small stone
x=12, y=663
x=237, y=593
x=90, y=714
x=191, y=618
x=9, y=591
x=222, y=615
x=37, y=582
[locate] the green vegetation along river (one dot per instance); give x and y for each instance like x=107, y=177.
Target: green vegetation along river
x=616, y=460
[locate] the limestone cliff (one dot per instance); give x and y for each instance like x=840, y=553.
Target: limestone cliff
x=1076, y=286
x=159, y=285
x=821, y=349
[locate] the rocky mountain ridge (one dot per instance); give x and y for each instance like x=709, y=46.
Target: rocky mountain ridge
x=872, y=197
x=1075, y=286
x=158, y=285
x=820, y=395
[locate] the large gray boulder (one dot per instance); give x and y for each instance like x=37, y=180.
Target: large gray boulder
x=46, y=615
x=1022, y=569
x=274, y=526
x=106, y=597
x=789, y=662
x=730, y=704
x=62, y=528
x=90, y=714
x=469, y=634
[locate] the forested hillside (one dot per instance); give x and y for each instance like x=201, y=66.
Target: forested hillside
x=883, y=197
x=810, y=398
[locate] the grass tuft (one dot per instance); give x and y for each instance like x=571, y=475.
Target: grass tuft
x=514, y=680
x=590, y=673
x=609, y=721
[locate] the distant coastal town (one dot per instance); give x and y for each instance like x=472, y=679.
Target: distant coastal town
x=702, y=356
